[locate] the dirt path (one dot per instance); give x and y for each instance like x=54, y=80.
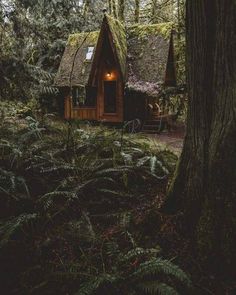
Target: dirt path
x=173, y=140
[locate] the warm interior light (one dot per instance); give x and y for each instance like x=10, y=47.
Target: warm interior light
x=108, y=74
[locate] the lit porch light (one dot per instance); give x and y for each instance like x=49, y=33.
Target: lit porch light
x=108, y=75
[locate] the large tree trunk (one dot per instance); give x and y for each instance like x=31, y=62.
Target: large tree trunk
x=137, y=11
x=204, y=187
x=154, y=12
x=110, y=6
x=114, y=8
x=122, y=10
x=86, y=8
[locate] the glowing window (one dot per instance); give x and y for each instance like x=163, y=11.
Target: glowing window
x=89, y=53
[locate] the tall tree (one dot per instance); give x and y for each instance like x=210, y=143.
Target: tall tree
x=154, y=11
x=205, y=184
x=122, y=10
x=110, y=6
x=114, y=8
x=137, y=11
x=86, y=8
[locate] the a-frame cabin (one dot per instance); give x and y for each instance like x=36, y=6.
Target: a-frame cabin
x=108, y=72
x=112, y=75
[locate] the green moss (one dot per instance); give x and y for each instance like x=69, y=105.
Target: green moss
x=205, y=233
x=119, y=36
x=163, y=29
x=215, y=233
x=78, y=38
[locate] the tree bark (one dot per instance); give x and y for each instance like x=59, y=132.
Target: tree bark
x=122, y=10
x=137, y=11
x=204, y=187
x=110, y=6
x=86, y=7
x=154, y=12
x=114, y=8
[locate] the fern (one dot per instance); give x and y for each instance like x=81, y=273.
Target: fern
x=156, y=288
x=161, y=266
x=91, y=286
x=89, y=198
x=9, y=228
x=12, y=185
x=139, y=252
x=125, y=219
x=81, y=230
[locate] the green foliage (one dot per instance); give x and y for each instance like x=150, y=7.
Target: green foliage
x=12, y=227
x=145, y=277
x=157, y=288
x=68, y=196
x=33, y=36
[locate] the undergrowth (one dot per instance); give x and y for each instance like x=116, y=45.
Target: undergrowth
x=75, y=203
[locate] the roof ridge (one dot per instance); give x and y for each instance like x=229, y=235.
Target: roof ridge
x=119, y=35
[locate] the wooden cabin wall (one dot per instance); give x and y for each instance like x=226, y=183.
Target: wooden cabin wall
x=85, y=114
x=68, y=107
x=78, y=112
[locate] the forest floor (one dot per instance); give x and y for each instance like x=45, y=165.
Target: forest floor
x=172, y=140
x=93, y=196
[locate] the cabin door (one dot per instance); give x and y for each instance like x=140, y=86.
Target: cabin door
x=110, y=97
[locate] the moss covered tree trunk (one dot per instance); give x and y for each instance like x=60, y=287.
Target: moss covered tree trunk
x=110, y=6
x=204, y=187
x=114, y=8
x=137, y=11
x=122, y=10
x=86, y=8
x=154, y=12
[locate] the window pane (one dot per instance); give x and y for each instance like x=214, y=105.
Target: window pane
x=89, y=53
x=78, y=96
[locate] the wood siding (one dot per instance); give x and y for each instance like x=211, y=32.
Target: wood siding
x=85, y=113
x=79, y=113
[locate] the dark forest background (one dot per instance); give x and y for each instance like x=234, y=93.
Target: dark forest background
x=87, y=209
x=34, y=33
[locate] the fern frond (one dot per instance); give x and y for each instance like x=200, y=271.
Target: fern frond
x=125, y=219
x=91, y=286
x=138, y=252
x=161, y=266
x=156, y=288
x=9, y=228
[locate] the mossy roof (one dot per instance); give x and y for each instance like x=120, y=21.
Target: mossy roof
x=142, y=51
x=74, y=69
x=148, y=50
x=118, y=32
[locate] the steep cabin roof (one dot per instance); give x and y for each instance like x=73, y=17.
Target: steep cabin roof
x=113, y=30
x=141, y=50
x=148, y=51
x=74, y=69
x=118, y=33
